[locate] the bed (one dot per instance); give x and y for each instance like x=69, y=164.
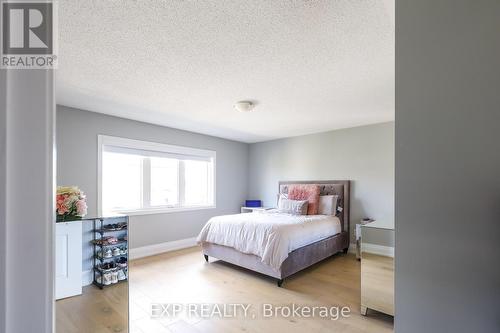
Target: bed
x=279, y=245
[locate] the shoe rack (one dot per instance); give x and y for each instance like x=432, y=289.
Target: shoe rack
x=110, y=251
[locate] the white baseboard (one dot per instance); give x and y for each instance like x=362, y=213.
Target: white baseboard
x=373, y=248
x=146, y=251
x=87, y=278
x=151, y=250
x=378, y=249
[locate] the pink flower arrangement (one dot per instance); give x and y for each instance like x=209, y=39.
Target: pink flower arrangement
x=70, y=202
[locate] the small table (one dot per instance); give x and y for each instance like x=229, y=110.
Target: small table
x=254, y=209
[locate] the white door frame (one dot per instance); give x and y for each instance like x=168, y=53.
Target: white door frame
x=27, y=180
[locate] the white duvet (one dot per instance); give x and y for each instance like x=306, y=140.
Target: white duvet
x=271, y=235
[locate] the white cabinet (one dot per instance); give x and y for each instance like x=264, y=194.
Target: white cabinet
x=68, y=259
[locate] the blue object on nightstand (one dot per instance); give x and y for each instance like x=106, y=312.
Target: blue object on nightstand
x=253, y=203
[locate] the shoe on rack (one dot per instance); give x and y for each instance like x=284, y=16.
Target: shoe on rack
x=116, y=251
x=107, y=279
x=108, y=253
x=107, y=266
x=122, y=262
x=121, y=275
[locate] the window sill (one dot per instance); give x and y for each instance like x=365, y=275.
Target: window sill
x=163, y=210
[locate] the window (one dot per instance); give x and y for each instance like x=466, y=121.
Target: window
x=137, y=177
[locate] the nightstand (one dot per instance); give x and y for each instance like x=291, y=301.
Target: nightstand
x=254, y=209
x=358, y=236
x=377, y=267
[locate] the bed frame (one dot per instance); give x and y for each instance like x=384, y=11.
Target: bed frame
x=300, y=258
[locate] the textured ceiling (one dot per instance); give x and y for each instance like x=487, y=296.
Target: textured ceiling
x=310, y=66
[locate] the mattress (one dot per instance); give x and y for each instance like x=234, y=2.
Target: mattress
x=268, y=235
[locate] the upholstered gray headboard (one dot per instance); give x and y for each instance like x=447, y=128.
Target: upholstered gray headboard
x=329, y=187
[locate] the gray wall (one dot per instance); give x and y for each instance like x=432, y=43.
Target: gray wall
x=27, y=210
x=447, y=166
x=364, y=155
x=77, y=132
x=378, y=236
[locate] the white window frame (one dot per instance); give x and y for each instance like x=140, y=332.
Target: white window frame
x=106, y=140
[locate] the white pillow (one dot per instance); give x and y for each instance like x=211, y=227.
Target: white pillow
x=328, y=204
x=295, y=207
x=279, y=196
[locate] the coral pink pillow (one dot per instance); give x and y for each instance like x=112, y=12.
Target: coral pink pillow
x=305, y=192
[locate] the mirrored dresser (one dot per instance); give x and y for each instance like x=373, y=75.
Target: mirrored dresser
x=377, y=267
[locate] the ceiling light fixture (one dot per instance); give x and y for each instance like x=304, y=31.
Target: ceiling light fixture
x=244, y=106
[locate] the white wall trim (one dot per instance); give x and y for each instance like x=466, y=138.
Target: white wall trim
x=99, y=174
x=150, y=211
x=87, y=278
x=377, y=249
x=29, y=163
x=151, y=250
x=153, y=146
x=387, y=251
x=149, y=146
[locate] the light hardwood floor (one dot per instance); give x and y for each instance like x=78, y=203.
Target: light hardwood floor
x=184, y=277
x=95, y=311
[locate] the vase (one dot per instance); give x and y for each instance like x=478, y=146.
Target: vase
x=65, y=217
